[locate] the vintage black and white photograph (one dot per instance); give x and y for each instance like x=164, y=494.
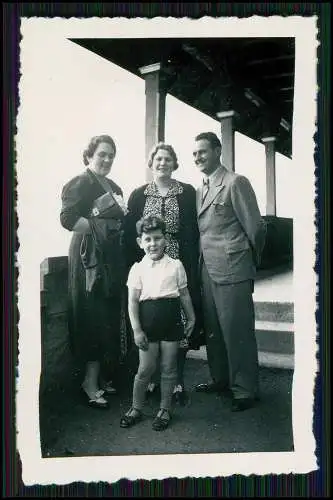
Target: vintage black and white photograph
x=167, y=243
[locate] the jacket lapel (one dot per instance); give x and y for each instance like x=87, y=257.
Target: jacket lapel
x=199, y=198
x=214, y=190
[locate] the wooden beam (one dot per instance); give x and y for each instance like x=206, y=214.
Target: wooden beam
x=214, y=82
x=284, y=89
x=204, y=59
x=276, y=76
x=268, y=60
x=280, y=90
x=214, y=86
x=269, y=114
x=268, y=105
x=182, y=75
x=228, y=100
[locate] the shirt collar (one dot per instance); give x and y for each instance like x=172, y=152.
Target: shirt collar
x=152, y=263
x=213, y=176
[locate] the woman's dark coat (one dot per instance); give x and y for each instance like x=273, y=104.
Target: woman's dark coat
x=93, y=315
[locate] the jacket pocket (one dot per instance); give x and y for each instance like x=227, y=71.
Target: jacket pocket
x=219, y=207
x=239, y=257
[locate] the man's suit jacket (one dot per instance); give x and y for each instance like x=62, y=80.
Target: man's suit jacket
x=232, y=231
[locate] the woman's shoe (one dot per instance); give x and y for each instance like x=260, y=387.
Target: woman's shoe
x=162, y=420
x=97, y=401
x=109, y=388
x=129, y=420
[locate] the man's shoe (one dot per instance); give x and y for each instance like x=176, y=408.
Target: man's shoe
x=242, y=404
x=210, y=388
x=179, y=395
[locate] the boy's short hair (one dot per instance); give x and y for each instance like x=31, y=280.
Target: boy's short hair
x=150, y=223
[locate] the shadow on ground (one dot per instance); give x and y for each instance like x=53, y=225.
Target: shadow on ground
x=204, y=425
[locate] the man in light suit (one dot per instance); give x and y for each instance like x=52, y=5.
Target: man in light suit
x=232, y=235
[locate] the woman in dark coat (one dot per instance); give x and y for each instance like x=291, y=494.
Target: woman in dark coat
x=175, y=202
x=96, y=268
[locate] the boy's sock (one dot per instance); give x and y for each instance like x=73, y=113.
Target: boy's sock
x=139, y=392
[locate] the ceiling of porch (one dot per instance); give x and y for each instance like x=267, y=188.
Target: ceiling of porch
x=253, y=76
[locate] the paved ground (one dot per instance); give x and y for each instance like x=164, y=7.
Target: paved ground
x=205, y=424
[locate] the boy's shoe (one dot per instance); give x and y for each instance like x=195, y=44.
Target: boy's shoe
x=128, y=420
x=162, y=420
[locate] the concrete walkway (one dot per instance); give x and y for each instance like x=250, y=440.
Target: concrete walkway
x=204, y=425
x=276, y=288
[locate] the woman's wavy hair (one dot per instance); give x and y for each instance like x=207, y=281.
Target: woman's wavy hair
x=93, y=145
x=166, y=147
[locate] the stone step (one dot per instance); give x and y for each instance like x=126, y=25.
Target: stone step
x=268, y=359
x=273, y=360
x=274, y=311
x=275, y=337
x=275, y=342
x=277, y=326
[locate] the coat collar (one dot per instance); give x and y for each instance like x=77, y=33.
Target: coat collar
x=174, y=190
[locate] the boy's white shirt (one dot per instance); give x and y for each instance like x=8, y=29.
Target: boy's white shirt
x=156, y=279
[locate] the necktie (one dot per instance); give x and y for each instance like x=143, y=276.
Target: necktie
x=205, y=189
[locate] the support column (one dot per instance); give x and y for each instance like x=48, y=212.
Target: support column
x=227, y=119
x=155, y=109
x=269, y=143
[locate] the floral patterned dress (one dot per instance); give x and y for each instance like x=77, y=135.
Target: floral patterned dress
x=167, y=208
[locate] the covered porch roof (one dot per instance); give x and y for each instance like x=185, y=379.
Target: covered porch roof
x=252, y=76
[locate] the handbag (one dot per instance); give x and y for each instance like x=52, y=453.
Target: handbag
x=102, y=206
x=107, y=205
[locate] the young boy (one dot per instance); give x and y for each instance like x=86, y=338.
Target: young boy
x=157, y=289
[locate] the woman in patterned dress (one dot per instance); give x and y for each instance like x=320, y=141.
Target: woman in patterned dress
x=175, y=202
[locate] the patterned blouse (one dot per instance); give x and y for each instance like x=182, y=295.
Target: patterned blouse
x=167, y=208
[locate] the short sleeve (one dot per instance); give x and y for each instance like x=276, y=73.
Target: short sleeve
x=181, y=275
x=134, y=278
